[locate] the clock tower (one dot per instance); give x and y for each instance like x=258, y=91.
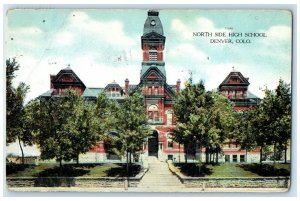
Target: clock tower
x=159, y=96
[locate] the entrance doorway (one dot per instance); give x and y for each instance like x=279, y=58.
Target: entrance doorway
x=153, y=144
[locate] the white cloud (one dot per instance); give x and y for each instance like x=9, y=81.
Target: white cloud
x=200, y=24
x=25, y=31
x=17, y=38
x=95, y=73
x=36, y=73
x=108, y=31
x=186, y=51
x=64, y=38
x=207, y=25
x=279, y=33
x=180, y=28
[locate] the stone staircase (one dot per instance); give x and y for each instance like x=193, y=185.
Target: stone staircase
x=159, y=178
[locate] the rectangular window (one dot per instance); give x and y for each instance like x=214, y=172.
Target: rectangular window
x=227, y=158
x=242, y=158
x=170, y=143
x=150, y=115
x=170, y=157
x=155, y=116
x=149, y=90
x=152, y=55
x=169, y=119
x=234, y=158
x=156, y=91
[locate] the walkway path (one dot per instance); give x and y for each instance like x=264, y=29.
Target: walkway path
x=159, y=178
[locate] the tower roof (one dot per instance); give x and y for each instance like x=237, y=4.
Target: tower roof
x=153, y=23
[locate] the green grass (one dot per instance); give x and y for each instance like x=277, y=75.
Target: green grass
x=18, y=170
x=286, y=166
x=100, y=170
x=71, y=170
x=229, y=170
x=270, y=169
x=234, y=170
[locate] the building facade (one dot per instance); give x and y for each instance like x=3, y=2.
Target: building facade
x=159, y=98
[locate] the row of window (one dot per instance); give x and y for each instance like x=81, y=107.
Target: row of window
x=232, y=145
x=234, y=94
x=235, y=158
x=152, y=92
x=113, y=94
x=153, y=116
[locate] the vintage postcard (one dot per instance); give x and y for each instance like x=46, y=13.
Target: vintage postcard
x=136, y=100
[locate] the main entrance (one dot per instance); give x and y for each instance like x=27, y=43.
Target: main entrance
x=153, y=144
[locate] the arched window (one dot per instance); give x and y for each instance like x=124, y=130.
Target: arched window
x=153, y=113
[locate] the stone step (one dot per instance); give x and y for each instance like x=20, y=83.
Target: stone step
x=159, y=178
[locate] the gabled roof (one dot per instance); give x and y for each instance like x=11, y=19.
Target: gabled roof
x=67, y=71
x=243, y=81
x=161, y=71
x=153, y=35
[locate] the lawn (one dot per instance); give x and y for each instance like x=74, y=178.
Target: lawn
x=229, y=170
x=279, y=169
x=71, y=170
x=233, y=170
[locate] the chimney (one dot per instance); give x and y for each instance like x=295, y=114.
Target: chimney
x=126, y=86
x=178, y=86
x=51, y=79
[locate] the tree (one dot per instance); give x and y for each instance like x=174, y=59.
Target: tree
x=223, y=123
x=276, y=112
x=66, y=126
x=246, y=135
x=283, y=114
x=272, y=121
x=193, y=112
x=15, y=97
x=106, y=113
x=82, y=126
x=131, y=127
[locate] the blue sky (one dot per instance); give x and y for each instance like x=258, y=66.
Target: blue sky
x=91, y=41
